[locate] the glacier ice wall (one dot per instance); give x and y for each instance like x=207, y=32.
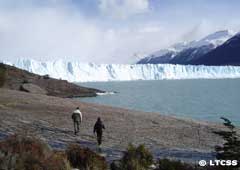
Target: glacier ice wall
x=85, y=72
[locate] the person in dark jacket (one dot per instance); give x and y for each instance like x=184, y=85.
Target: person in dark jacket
x=77, y=119
x=98, y=128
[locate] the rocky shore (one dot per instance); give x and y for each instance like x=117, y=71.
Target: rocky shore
x=49, y=118
x=17, y=79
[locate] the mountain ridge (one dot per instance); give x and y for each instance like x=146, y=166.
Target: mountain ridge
x=182, y=50
x=226, y=54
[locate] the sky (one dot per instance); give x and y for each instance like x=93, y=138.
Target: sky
x=107, y=31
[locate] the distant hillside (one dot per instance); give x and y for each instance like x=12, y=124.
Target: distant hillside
x=226, y=54
x=188, y=52
x=17, y=79
x=191, y=54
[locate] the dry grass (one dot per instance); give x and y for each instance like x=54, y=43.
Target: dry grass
x=25, y=153
x=85, y=159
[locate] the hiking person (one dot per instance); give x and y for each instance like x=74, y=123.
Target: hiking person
x=98, y=128
x=77, y=119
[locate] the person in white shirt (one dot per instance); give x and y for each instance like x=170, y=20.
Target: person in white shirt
x=77, y=119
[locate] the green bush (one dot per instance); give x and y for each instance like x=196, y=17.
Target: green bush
x=25, y=153
x=85, y=159
x=135, y=158
x=231, y=148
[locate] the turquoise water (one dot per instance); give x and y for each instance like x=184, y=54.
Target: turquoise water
x=197, y=99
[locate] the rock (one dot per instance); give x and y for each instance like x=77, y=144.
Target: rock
x=32, y=88
x=16, y=79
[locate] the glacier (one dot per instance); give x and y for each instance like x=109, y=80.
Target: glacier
x=75, y=71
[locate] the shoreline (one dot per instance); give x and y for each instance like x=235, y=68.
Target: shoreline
x=117, y=81
x=203, y=100
x=49, y=118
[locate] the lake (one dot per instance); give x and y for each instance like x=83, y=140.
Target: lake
x=200, y=99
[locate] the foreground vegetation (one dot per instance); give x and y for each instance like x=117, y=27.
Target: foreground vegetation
x=231, y=148
x=2, y=74
x=28, y=153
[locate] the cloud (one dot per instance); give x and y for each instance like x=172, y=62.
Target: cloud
x=52, y=32
x=122, y=9
x=151, y=29
x=48, y=33
x=51, y=29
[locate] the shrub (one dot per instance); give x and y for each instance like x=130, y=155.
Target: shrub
x=85, y=159
x=25, y=153
x=135, y=158
x=231, y=148
x=166, y=164
x=57, y=161
x=2, y=74
x=115, y=165
x=46, y=76
x=25, y=81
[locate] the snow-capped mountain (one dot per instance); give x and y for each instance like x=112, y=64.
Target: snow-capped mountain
x=183, y=53
x=84, y=72
x=225, y=54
